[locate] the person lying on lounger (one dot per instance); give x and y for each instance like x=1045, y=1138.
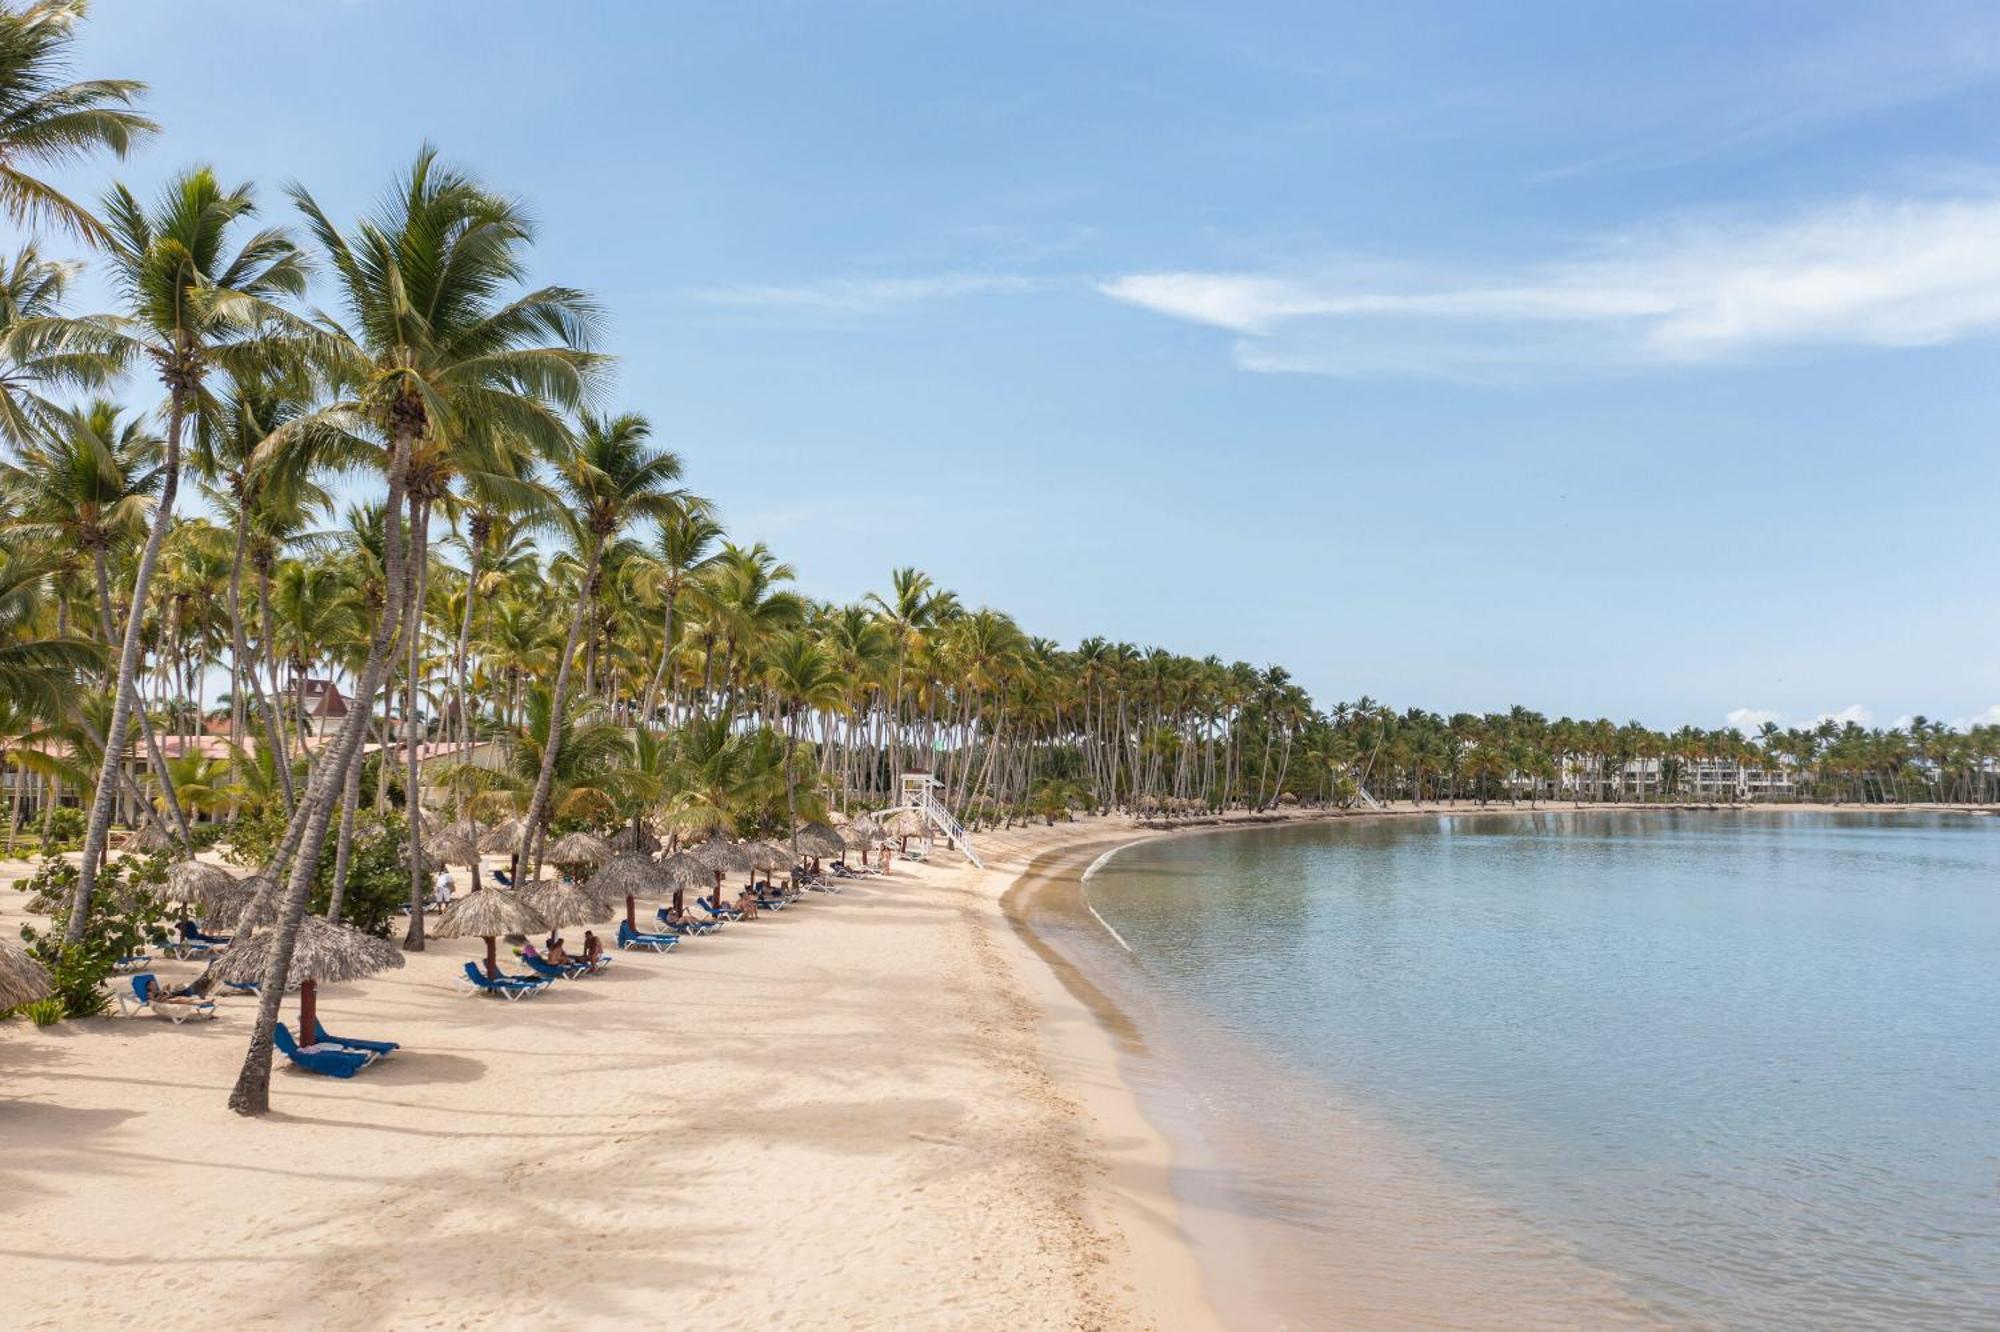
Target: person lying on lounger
x=557, y=955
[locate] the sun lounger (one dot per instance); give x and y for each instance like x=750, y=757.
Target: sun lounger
x=659, y=943
x=382, y=1048
x=145, y=990
x=723, y=912
x=686, y=926
x=548, y=970
x=507, y=987
x=244, y=987
x=332, y=1061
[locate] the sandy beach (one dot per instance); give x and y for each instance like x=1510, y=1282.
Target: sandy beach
x=880, y=1109
x=870, y=1111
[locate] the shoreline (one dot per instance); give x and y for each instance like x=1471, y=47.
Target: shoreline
x=880, y=1109
x=1121, y=1052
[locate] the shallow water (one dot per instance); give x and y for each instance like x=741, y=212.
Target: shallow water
x=1725, y=1070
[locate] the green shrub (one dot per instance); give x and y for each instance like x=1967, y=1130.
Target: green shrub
x=65, y=828
x=124, y=914
x=43, y=1012
x=378, y=879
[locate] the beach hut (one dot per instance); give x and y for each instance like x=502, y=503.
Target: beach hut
x=631, y=875
x=487, y=914
x=22, y=979
x=322, y=954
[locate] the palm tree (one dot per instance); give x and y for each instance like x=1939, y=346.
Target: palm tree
x=683, y=547
x=609, y=478
x=45, y=120
x=37, y=352
x=191, y=305
x=37, y=670
x=429, y=344
x=439, y=360
x=801, y=673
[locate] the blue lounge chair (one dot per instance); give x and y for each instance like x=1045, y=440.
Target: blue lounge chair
x=724, y=912
x=548, y=970
x=507, y=987
x=659, y=943
x=686, y=926
x=244, y=987
x=140, y=1000
x=317, y=1059
x=503, y=878
x=382, y=1048
x=193, y=934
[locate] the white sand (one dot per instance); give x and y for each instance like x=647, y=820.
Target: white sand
x=868, y=1111
x=877, y=1110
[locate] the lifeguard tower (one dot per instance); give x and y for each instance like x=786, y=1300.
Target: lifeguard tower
x=919, y=796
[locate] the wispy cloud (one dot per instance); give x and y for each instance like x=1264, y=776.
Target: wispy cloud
x=864, y=296
x=1910, y=54
x=1864, y=272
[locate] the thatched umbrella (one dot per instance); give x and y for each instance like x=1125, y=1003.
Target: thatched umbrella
x=768, y=856
x=22, y=980
x=580, y=848
x=860, y=835
x=819, y=839
x=722, y=857
x=908, y=823
x=488, y=913
x=631, y=875
x=151, y=838
x=501, y=838
x=322, y=954
x=196, y=881
x=566, y=902
x=454, y=846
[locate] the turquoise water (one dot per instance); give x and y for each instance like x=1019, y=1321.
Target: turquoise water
x=1746, y=1065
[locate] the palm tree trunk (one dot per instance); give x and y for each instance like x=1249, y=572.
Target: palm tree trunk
x=413, y=803
x=98, y=831
x=343, y=852
x=666, y=652
x=252, y=1093
x=538, y=805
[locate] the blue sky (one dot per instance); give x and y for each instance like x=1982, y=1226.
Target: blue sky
x=1610, y=359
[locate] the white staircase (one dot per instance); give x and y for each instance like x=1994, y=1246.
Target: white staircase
x=919, y=790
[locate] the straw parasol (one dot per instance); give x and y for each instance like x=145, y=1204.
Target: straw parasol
x=196, y=882
x=322, y=954
x=454, y=846
x=22, y=980
x=566, y=902
x=722, y=857
x=580, y=848
x=768, y=855
x=860, y=834
x=151, y=838
x=501, y=838
x=819, y=839
x=908, y=823
x=487, y=913
x=631, y=875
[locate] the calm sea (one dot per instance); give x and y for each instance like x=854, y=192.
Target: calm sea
x=1717, y=1070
